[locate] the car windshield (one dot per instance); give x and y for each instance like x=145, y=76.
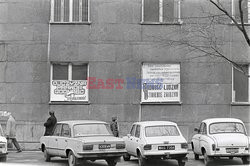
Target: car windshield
x=100, y=129
x=165, y=130
x=226, y=127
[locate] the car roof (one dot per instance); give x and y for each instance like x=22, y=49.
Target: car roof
x=216, y=120
x=154, y=123
x=74, y=122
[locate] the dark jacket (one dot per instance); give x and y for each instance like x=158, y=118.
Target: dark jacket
x=49, y=125
x=114, y=128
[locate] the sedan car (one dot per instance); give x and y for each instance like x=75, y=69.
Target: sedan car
x=156, y=140
x=3, y=146
x=83, y=140
x=221, y=137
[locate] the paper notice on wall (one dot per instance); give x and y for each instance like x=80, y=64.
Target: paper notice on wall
x=160, y=83
x=66, y=90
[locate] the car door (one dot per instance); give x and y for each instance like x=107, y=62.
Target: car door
x=196, y=140
x=63, y=140
x=129, y=146
x=53, y=140
x=136, y=139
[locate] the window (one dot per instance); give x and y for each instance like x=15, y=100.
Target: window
x=159, y=131
x=65, y=130
x=241, y=83
x=69, y=11
x=69, y=82
x=162, y=11
x=132, y=132
x=137, y=131
x=203, y=128
x=57, y=130
x=160, y=83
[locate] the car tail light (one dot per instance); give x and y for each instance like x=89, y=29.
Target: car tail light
x=147, y=147
x=213, y=147
x=120, y=146
x=87, y=147
x=184, y=146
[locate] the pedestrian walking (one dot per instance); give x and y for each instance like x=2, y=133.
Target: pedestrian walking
x=11, y=132
x=50, y=123
x=114, y=127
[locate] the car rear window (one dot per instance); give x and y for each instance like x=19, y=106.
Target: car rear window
x=226, y=127
x=91, y=130
x=164, y=130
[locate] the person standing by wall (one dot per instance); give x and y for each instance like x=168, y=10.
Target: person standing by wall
x=50, y=123
x=11, y=132
x=114, y=127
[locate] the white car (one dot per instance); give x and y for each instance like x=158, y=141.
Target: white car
x=221, y=137
x=156, y=140
x=83, y=140
x=3, y=146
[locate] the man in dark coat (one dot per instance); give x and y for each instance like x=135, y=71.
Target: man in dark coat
x=50, y=123
x=114, y=127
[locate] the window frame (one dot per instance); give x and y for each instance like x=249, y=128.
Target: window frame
x=234, y=13
x=233, y=91
x=179, y=20
x=70, y=64
x=52, y=13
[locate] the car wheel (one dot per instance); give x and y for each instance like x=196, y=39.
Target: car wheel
x=245, y=160
x=196, y=156
x=46, y=155
x=141, y=160
x=231, y=158
x=72, y=160
x=3, y=159
x=111, y=162
x=181, y=163
x=126, y=157
x=207, y=159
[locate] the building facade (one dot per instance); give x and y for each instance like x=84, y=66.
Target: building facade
x=134, y=59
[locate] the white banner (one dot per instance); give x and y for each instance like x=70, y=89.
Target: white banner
x=160, y=83
x=66, y=90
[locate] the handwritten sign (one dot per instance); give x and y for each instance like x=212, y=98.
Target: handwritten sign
x=69, y=90
x=160, y=83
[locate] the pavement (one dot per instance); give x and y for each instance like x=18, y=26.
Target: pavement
x=35, y=158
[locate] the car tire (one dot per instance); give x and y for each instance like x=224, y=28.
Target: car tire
x=196, y=156
x=126, y=157
x=111, y=162
x=72, y=160
x=141, y=160
x=47, y=157
x=3, y=159
x=231, y=158
x=181, y=163
x=207, y=159
x=245, y=160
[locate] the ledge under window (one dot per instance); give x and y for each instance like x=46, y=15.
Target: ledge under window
x=162, y=23
x=161, y=103
x=240, y=103
x=71, y=23
x=68, y=103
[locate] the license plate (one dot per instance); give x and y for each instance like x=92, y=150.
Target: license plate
x=172, y=147
x=232, y=150
x=104, y=146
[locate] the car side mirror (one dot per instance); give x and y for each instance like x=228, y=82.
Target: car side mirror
x=129, y=135
x=197, y=130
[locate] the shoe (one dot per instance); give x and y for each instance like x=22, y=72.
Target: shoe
x=19, y=151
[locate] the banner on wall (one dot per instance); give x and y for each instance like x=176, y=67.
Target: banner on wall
x=160, y=82
x=69, y=90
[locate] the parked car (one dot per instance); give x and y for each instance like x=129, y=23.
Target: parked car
x=83, y=140
x=221, y=137
x=3, y=146
x=156, y=140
